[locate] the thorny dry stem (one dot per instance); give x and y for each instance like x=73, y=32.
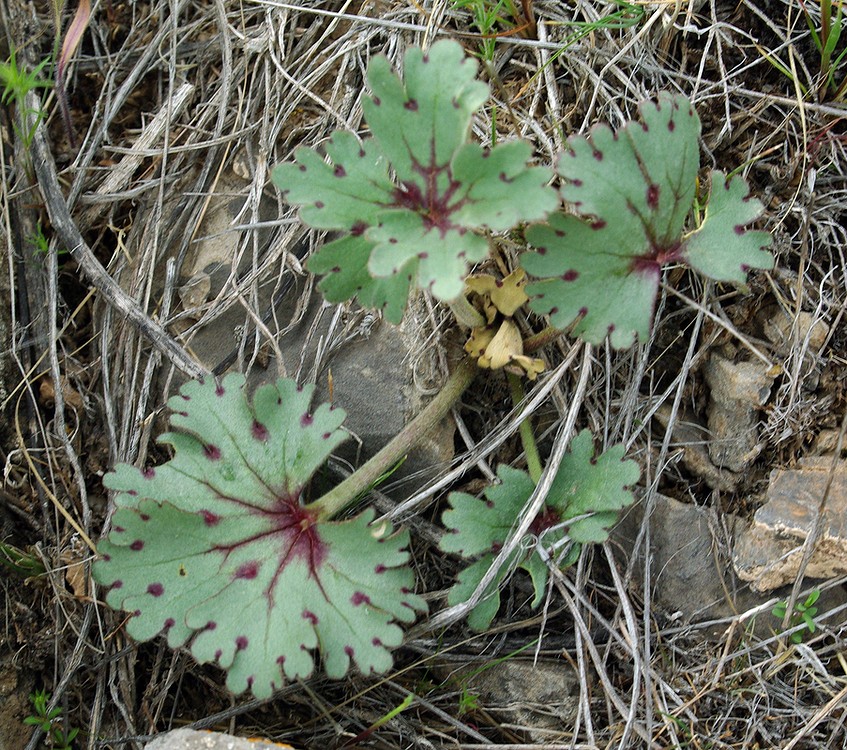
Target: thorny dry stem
x=180, y=110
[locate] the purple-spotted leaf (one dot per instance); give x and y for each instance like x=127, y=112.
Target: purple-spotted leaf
x=722, y=248
x=216, y=549
x=582, y=504
x=415, y=195
x=633, y=192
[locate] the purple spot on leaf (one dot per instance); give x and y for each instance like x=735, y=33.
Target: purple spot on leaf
x=132, y=493
x=310, y=616
x=376, y=642
x=148, y=472
x=319, y=204
x=380, y=569
x=219, y=390
x=241, y=643
x=359, y=598
x=212, y=452
x=155, y=589
x=248, y=570
x=302, y=168
x=326, y=435
x=137, y=545
x=117, y=585
x=169, y=623
x=599, y=224
x=259, y=431
x=349, y=651
x=306, y=420
x=411, y=105
x=671, y=126
x=218, y=654
x=598, y=155
x=653, y=197
x=583, y=311
x=280, y=659
x=339, y=171
x=571, y=275
x=209, y=518
x=554, y=310
x=738, y=229
x=118, y=529
x=211, y=625
x=376, y=100
x=358, y=229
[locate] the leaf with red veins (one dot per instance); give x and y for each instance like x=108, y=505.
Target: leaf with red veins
x=424, y=227
x=583, y=503
x=632, y=192
x=215, y=549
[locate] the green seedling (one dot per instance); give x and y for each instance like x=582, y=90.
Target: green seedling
x=582, y=505
x=632, y=192
x=16, y=84
x=415, y=198
x=25, y=564
x=49, y=721
x=826, y=42
x=804, y=614
x=217, y=548
x=489, y=18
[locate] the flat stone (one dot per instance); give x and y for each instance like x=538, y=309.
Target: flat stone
x=768, y=553
x=191, y=739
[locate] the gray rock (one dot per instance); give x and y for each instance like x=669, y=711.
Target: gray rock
x=768, y=553
x=738, y=391
x=541, y=697
x=191, y=739
x=691, y=576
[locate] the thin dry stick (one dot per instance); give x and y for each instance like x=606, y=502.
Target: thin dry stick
x=69, y=235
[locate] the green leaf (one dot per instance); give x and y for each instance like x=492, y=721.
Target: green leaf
x=632, y=192
x=722, y=248
x=583, y=503
x=344, y=264
x=422, y=227
x=215, y=548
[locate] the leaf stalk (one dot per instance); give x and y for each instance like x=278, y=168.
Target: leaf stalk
x=343, y=494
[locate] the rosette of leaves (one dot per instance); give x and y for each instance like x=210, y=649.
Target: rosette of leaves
x=633, y=193
x=411, y=199
x=583, y=503
x=216, y=549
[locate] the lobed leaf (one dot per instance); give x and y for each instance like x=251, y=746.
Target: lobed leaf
x=583, y=503
x=421, y=226
x=633, y=191
x=215, y=548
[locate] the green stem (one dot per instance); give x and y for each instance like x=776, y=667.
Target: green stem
x=530, y=447
x=340, y=496
x=540, y=340
x=466, y=314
